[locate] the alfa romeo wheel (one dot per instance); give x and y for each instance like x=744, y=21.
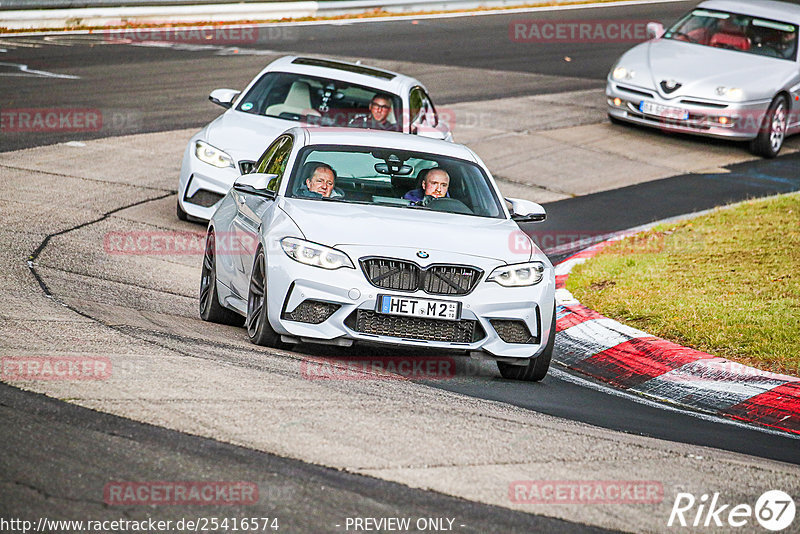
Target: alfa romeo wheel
x=772, y=131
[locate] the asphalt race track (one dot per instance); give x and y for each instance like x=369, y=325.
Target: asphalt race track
x=59, y=454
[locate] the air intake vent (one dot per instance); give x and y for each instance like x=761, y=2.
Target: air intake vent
x=379, y=324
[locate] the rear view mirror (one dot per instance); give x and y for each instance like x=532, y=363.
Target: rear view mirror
x=526, y=211
x=223, y=97
x=393, y=169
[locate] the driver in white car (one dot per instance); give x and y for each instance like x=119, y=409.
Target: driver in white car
x=434, y=184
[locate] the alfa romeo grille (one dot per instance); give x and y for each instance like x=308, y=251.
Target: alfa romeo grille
x=370, y=322
x=401, y=275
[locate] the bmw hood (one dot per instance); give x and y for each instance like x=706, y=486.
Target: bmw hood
x=382, y=227
x=244, y=135
x=702, y=69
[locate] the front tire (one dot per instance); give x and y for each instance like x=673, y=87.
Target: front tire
x=259, y=330
x=772, y=131
x=536, y=369
x=210, y=308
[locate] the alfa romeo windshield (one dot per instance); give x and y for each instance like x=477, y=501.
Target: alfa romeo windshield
x=733, y=31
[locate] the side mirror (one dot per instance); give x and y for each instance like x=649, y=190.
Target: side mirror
x=655, y=30
x=526, y=211
x=255, y=183
x=223, y=97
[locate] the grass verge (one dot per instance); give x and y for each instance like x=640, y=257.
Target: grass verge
x=727, y=283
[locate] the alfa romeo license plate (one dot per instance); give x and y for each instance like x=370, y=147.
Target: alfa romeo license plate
x=659, y=110
x=414, y=307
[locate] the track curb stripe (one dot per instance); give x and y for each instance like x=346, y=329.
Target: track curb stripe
x=606, y=350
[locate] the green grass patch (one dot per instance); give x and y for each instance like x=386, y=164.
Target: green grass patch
x=727, y=283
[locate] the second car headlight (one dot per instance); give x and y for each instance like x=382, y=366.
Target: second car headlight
x=621, y=73
x=315, y=255
x=212, y=155
x=518, y=275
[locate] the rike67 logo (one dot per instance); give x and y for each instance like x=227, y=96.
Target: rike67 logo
x=774, y=511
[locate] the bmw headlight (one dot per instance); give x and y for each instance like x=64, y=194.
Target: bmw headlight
x=518, y=275
x=315, y=255
x=212, y=155
x=621, y=73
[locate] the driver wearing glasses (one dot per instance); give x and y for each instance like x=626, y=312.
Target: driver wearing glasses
x=379, y=109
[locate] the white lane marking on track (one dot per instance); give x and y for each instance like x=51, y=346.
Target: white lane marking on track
x=578, y=381
x=20, y=43
x=25, y=71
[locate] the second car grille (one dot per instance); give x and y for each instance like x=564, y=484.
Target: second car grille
x=204, y=198
x=370, y=322
x=401, y=275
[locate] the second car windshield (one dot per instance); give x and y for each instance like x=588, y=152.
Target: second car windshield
x=316, y=101
x=744, y=33
x=394, y=178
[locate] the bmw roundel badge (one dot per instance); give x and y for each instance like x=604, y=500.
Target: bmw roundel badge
x=422, y=254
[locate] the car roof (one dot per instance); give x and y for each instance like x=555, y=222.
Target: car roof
x=768, y=9
x=379, y=139
x=380, y=79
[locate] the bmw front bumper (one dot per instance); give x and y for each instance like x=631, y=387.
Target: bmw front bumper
x=347, y=302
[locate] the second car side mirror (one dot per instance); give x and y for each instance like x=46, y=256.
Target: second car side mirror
x=223, y=97
x=526, y=211
x=655, y=30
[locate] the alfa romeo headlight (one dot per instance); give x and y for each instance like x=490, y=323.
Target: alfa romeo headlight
x=212, y=155
x=734, y=93
x=621, y=73
x=518, y=275
x=314, y=254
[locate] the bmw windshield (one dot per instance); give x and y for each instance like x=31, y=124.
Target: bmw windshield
x=393, y=178
x=732, y=31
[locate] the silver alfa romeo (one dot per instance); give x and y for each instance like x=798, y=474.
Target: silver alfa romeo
x=728, y=69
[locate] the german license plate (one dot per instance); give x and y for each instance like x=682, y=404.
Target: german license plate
x=414, y=307
x=659, y=110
